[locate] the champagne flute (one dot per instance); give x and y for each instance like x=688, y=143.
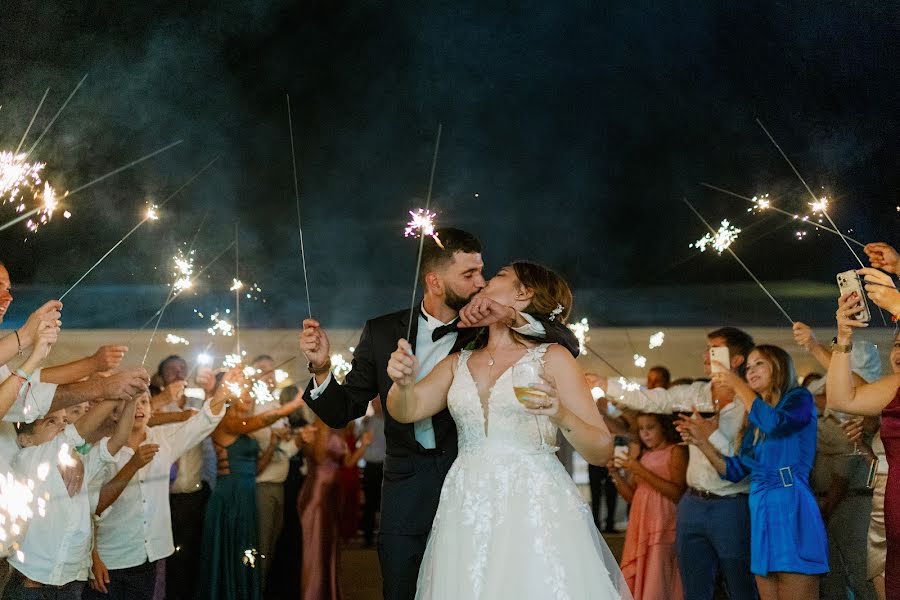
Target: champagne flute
x=845, y=418
x=524, y=376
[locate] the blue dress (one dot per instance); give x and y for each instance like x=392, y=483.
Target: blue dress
x=228, y=557
x=777, y=452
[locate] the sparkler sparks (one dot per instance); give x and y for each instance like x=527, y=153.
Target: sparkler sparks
x=176, y=340
x=760, y=203
x=232, y=360
x=236, y=284
x=184, y=271
x=721, y=241
x=820, y=205
x=422, y=224
x=629, y=386
x=21, y=182
x=281, y=376
x=220, y=326
x=580, y=329
x=340, y=367
x=260, y=392
x=657, y=340
x=640, y=361
x=153, y=213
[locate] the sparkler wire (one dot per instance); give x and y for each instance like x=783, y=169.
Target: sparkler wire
x=740, y=262
x=53, y=120
x=24, y=216
x=31, y=122
x=412, y=306
x=297, y=198
x=135, y=228
x=808, y=189
x=783, y=212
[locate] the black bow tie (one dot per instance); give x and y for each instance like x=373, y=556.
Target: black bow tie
x=443, y=330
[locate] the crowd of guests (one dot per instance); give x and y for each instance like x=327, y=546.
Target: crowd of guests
x=117, y=484
x=751, y=483
x=744, y=483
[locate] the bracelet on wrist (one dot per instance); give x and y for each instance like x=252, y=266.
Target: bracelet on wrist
x=319, y=370
x=18, y=342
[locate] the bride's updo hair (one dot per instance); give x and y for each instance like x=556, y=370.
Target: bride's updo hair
x=550, y=291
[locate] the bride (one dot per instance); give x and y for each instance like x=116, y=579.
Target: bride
x=511, y=522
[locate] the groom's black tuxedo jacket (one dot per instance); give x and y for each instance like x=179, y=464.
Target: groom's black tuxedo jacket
x=413, y=475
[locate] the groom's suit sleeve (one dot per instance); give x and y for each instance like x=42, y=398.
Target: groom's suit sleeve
x=338, y=404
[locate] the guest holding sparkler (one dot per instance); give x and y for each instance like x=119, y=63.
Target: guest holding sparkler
x=229, y=551
x=54, y=556
x=789, y=548
x=881, y=397
x=704, y=545
x=125, y=557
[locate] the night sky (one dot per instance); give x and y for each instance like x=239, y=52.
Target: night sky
x=571, y=133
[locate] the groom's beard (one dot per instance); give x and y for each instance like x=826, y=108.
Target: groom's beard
x=455, y=301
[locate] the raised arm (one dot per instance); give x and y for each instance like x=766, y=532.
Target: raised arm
x=106, y=358
x=120, y=386
x=11, y=387
x=671, y=489
x=26, y=336
x=112, y=489
x=338, y=404
x=865, y=400
x=409, y=401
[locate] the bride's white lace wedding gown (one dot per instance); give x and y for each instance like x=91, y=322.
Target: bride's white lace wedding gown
x=511, y=522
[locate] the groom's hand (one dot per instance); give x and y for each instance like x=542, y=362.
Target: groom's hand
x=403, y=365
x=483, y=311
x=314, y=343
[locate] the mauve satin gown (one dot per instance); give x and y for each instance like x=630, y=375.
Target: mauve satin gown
x=319, y=505
x=890, y=436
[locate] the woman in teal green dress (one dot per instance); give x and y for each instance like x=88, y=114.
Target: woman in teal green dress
x=228, y=557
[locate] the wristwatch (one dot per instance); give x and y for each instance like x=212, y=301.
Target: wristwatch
x=843, y=348
x=323, y=369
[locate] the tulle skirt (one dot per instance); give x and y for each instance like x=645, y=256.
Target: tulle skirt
x=512, y=524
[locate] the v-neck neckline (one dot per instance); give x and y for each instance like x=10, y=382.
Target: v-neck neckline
x=485, y=403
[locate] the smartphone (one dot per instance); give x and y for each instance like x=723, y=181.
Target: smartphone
x=849, y=282
x=719, y=354
x=620, y=452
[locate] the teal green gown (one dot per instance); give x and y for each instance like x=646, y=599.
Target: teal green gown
x=228, y=557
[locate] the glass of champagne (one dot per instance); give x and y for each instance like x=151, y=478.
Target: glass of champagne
x=524, y=376
x=845, y=418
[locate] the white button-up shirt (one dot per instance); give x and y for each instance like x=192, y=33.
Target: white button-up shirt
x=137, y=527
x=701, y=474
x=277, y=469
x=32, y=403
x=191, y=463
x=56, y=547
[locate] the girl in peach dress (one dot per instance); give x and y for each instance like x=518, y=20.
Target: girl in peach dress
x=652, y=485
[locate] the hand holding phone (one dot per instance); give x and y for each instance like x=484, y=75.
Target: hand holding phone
x=719, y=354
x=848, y=283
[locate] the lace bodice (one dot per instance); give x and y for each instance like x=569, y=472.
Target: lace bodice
x=504, y=420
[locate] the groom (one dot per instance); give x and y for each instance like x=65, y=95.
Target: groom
x=419, y=454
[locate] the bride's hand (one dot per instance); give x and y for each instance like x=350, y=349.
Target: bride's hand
x=549, y=405
x=403, y=365
x=483, y=311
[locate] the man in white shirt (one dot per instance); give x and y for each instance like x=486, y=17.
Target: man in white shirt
x=713, y=529
x=270, y=481
x=134, y=528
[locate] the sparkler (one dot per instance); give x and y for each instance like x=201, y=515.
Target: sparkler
x=340, y=367
x=580, y=329
x=755, y=201
x=657, y=340
x=21, y=181
x=720, y=239
x=297, y=197
x=56, y=116
x=422, y=223
x=412, y=305
x=85, y=186
x=818, y=204
x=236, y=286
x=31, y=122
x=220, y=326
x=740, y=262
x=640, y=361
x=136, y=227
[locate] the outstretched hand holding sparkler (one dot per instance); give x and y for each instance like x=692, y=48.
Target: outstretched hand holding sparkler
x=315, y=346
x=881, y=290
x=883, y=256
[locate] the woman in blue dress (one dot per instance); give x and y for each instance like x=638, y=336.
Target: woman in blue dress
x=788, y=544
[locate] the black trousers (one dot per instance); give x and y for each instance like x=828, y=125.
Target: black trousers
x=602, y=485
x=133, y=583
x=400, y=557
x=187, y=534
x=371, y=481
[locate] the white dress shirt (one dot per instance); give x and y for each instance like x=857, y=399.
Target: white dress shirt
x=190, y=465
x=701, y=474
x=32, y=403
x=56, y=547
x=277, y=469
x=137, y=527
x=430, y=353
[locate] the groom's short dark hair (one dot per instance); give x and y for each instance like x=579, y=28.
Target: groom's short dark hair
x=453, y=240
